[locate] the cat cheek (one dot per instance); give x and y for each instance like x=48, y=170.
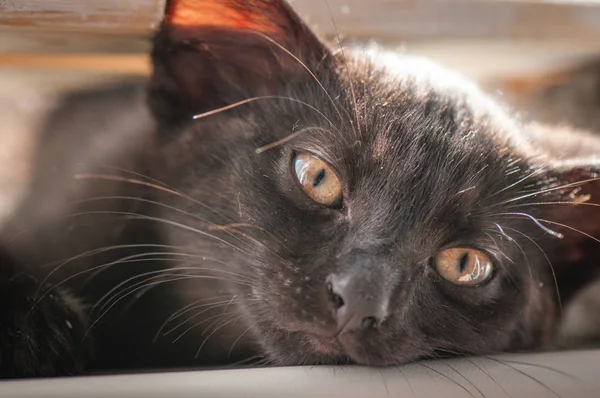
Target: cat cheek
x=313, y=310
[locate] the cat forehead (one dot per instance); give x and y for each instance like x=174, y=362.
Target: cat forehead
x=399, y=116
x=416, y=118
x=407, y=98
x=394, y=81
x=400, y=67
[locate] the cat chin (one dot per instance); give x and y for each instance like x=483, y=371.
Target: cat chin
x=285, y=348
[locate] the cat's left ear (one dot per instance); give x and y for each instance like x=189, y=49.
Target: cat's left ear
x=211, y=53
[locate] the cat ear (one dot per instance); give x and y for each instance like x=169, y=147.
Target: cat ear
x=580, y=182
x=212, y=53
x=572, y=210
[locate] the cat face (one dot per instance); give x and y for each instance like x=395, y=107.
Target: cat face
x=366, y=207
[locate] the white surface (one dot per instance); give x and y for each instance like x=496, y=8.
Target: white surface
x=568, y=375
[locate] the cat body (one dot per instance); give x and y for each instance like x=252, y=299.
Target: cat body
x=171, y=222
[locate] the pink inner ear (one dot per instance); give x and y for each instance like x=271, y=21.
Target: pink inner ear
x=234, y=14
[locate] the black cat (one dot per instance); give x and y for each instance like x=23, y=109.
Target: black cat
x=279, y=198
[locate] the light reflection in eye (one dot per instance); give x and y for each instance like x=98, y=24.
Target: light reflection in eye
x=301, y=169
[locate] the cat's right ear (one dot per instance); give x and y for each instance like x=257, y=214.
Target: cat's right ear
x=212, y=53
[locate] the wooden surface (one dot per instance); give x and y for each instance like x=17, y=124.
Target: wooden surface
x=108, y=16
x=124, y=64
x=481, y=38
x=382, y=19
x=389, y=19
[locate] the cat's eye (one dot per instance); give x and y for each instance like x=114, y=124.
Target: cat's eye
x=463, y=266
x=317, y=180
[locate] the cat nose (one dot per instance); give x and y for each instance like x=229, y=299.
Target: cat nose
x=356, y=302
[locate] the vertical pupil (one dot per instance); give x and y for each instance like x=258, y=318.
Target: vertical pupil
x=319, y=178
x=464, y=260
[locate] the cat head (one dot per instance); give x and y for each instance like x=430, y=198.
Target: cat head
x=361, y=206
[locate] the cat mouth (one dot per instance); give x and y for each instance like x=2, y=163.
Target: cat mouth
x=336, y=350
x=326, y=345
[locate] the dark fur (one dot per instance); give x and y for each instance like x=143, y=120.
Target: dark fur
x=426, y=161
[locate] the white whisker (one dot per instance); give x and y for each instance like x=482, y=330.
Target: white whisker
x=537, y=222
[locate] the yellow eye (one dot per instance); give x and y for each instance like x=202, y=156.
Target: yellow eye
x=317, y=180
x=463, y=266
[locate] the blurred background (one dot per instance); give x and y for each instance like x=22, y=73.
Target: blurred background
x=539, y=56
x=486, y=39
